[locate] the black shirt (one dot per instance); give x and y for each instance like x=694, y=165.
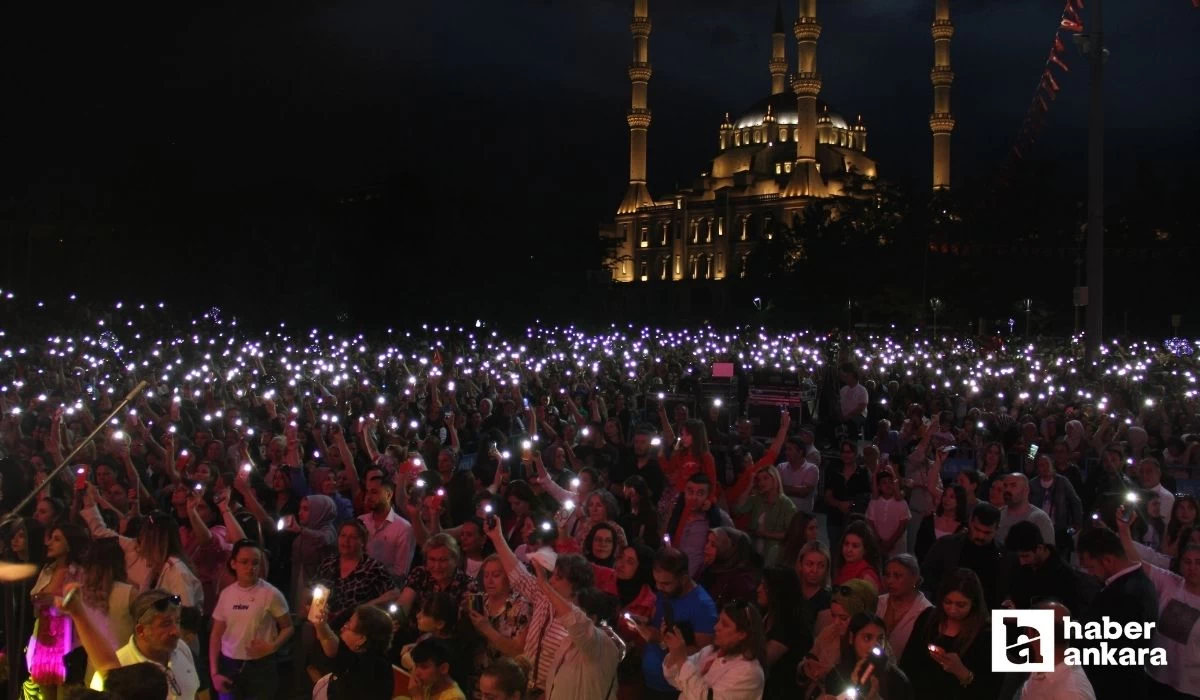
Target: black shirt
x=364, y=676
x=853, y=489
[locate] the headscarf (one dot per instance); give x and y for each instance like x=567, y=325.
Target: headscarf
x=315, y=542
x=628, y=591
x=734, y=550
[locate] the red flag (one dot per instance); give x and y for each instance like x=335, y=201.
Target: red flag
x=1058, y=45
x=1050, y=82
x=1072, y=26
x=1058, y=62
x=1049, y=92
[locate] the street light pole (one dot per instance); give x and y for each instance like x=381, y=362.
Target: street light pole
x=1095, y=219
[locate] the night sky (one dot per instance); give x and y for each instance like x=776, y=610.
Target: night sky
x=195, y=142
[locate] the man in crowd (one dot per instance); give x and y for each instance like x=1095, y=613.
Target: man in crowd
x=390, y=538
x=687, y=606
x=975, y=549
x=1018, y=508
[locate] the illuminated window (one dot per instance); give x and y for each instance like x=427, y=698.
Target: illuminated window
x=787, y=167
x=720, y=226
x=745, y=227
x=758, y=137
x=678, y=265
x=708, y=234
x=783, y=133
x=720, y=263
x=644, y=240
x=624, y=267
x=663, y=263
x=707, y=262
x=663, y=231
x=644, y=276
x=737, y=139
x=692, y=263
x=695, y=231
x=779, y=168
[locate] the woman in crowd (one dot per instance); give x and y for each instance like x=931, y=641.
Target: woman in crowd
x=107, y=594
x=639, y=519
x=949, y=652
x=359, y=657
x=635, y=590
x=250, y=625
x=802, y=529
x=692, y=456
x=441, y=573
x=1183, y=516
x=949, y=518
x=788, y=639
x=500, y=615
x=601, y=509
x=315, y=541
x=548, y=635
x=866, y=635
x=846, y=601
x=156, y=558
x=54, y=656
x=738, y=643
x=600, y=547
x=207, y=535
x=859, y=555
x=903, y=601
x=352, y=577
x=730, y=566
x=993, y=463
x=1178, y=599
x=770, y=512
x=813, y=569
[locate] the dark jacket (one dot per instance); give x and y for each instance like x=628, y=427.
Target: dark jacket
x=930, y=681
x=1131, y=598
x=1066, y=510
x=1056, y=579
x=954, y=551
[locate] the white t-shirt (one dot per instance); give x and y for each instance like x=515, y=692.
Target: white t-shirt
x=885, y=515
x=852, y=396
x=1177, y=632
x=806, y=474
x=248, y=614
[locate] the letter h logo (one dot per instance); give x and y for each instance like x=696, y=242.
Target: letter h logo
x=1022, y=641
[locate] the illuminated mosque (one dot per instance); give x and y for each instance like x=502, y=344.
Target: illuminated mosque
x=772, y=161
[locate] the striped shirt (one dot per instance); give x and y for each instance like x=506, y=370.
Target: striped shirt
x=546, y=635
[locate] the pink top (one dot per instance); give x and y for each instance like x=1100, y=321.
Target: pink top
x=208, y=561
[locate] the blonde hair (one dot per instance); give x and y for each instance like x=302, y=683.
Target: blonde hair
x=819, y=548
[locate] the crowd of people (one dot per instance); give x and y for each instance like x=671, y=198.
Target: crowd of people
x=452, y=512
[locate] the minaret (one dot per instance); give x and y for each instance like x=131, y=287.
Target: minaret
x=941, y=122
x=806, y=180
x=778, y=63
x=639, y=115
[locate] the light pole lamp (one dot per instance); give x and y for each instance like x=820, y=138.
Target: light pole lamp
x=1027, y=307
x=935, y=305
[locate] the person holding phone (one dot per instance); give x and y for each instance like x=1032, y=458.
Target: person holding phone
x=499, y=614
x=729, y=667
x=867, y=664
x=682, y=605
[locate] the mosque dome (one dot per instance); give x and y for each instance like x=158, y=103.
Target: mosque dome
x=784, y=108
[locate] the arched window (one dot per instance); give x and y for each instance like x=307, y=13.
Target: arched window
x=695, y=230
x=707, y=261
x=708, y=235
x=692, y=263
x=783, y=133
